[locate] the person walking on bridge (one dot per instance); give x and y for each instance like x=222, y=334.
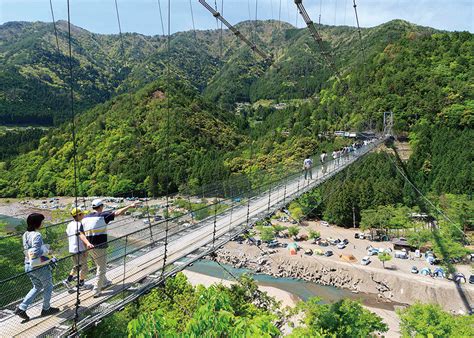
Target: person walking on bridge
x=78, y=245
x=307, y=166
x=37, y=267
x=95, y=228
x=323, y=158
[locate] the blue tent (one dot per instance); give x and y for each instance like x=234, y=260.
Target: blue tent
x=425, y=271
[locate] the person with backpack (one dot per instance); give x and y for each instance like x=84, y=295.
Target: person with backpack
x=307, y=166
x=37, y=266
x=78, y=245
x=95, y=228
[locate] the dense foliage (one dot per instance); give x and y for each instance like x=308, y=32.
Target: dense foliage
x=344, y=318
x=183, y=310
x=16, y=141
x=429, y=320
x=124, y=145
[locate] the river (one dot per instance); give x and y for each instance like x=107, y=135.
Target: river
x=300, y=288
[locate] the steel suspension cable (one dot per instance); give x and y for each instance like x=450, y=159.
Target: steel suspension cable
x=167, y=156
x=74, y=145
x=221, y=44
x=279, y=14
x=54, y=25
x=358, y=30
x=236, y=32
x=255, y=25
x=161, y=18
x=192, y=19
x=320, y=11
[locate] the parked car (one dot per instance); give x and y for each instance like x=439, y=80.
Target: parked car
x=308, y=252
x=273, y=244
x=345, y=241
x=414, y=270
x=328, y=253
x=373, y=252
x=356, y=235
x=361, y=236
x=471, y=279
x=337, y=240
x=341, y=245
x=324, y=223
x=417, y=253
x=401, y=254
x=146, y=221
x=323, y=243
x=365, y=260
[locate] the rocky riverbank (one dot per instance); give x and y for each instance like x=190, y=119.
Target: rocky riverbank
x=388, y=285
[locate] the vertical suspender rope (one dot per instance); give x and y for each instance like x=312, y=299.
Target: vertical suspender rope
x=161, y=18
x=192, y=19
x=168, y=107
x=358, y=29
x=320, y=10
x=74, y=146
x=255, y=26
x=279, y=15
x=54, y=25
x=122, y=46
x=221, y=31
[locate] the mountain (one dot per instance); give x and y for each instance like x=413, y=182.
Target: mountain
x=424, y=76
x=35, y=76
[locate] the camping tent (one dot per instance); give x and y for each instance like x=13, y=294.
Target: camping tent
x=425, y=271
x=293, y=247
x=439, y=272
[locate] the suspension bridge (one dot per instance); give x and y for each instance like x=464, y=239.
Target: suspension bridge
x=143, y=259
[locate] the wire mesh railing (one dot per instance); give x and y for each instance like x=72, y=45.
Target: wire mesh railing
x=134, y=257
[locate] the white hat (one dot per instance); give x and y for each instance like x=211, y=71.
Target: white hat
x=97, y=203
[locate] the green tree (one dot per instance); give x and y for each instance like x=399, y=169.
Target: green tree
x=429, y=320
x=384, y=257
x=293, y=231
x=314, y=235
x=267, y=234
x=344, y=318
x=278, y=229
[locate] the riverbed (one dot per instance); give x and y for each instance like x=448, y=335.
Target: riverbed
x=297, y=287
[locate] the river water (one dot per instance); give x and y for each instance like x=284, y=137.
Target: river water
x=300, y=288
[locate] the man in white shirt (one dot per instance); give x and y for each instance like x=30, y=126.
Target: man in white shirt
x=95, y=228
x=78, y=245
x=307, y=165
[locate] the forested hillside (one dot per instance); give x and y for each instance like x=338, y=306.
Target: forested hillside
x=425, y=77
x=35, y=76
x=123, y=145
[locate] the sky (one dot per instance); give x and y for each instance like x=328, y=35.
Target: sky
x=143, y=16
